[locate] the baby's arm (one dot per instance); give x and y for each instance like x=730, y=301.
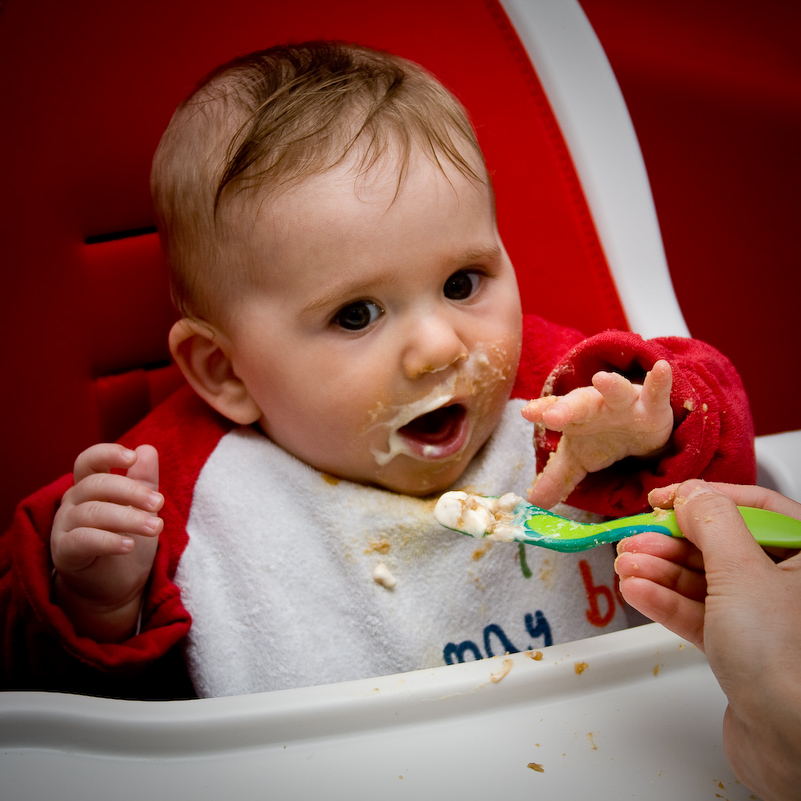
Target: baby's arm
x=601, y=425
x=104, y=539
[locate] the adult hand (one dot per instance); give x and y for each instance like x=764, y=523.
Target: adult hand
x=722, y=592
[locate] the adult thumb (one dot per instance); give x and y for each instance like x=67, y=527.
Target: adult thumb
x=710, y=520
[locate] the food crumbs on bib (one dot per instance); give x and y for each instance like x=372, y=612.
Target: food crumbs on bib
x=480, y=553
x=381, y=546
x=382, y=576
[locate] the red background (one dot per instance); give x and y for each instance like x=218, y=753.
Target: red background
x=87, y=87
x=714, y=91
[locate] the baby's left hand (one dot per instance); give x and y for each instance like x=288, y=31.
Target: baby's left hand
x=601, y=425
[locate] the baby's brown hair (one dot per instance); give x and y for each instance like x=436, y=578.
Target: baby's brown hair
x=267, y=120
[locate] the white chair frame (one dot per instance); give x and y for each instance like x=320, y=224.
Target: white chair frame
x=592, y=114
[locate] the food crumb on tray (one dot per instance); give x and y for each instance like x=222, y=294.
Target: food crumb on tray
x=504, y=671
x=536, y=766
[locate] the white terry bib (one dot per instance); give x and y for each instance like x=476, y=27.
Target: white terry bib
x=278, y=574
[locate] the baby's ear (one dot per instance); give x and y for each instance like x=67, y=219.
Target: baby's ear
x=203, y=354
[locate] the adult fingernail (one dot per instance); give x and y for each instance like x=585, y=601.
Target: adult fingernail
x=692, y=489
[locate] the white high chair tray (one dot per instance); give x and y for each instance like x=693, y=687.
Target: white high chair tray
x=634, y=714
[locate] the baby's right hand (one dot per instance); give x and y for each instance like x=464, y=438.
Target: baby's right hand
x=104, y=539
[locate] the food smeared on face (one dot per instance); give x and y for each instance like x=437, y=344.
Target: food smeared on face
x=440, y=425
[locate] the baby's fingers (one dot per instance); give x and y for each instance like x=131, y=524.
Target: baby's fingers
x=114, y=489
x=534, y=409
x=657, y=385
x=103, y=458
x=616, y=390
x=578, y=406
x=111, y=517
x=96, y=529
x=560, y=476
x=78, y=548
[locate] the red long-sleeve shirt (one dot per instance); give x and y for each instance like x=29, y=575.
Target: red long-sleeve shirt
x=712, y=439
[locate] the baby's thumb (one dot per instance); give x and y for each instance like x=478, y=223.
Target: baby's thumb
x=560, y=476
x=711, y=521
x=146, y=467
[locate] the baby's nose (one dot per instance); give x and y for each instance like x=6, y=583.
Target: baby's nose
x=433, y=345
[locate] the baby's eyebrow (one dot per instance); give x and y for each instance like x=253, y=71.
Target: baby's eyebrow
x=489, y=253
x=339, y=293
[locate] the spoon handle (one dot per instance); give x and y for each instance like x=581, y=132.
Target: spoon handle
x=769, y=529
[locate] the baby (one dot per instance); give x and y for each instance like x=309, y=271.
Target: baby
x=352, y=332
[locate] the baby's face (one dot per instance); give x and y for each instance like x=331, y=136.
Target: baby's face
x=384, y=341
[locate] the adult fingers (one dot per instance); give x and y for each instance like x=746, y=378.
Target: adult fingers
x=742, y=494
x=760, y=498
x=709, y=518
x=683, y=616
x=678, y=550
x=673, y=575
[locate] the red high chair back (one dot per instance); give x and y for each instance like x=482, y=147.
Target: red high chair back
x=88, y=87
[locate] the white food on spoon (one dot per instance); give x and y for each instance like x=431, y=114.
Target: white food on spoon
x=478, y=515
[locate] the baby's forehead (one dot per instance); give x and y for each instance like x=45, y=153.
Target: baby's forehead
x=345, y=210
x=382, y=181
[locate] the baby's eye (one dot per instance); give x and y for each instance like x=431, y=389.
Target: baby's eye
x=358, y=315
x=462, y=285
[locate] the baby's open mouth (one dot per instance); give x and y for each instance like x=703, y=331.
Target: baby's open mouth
x=439, y=433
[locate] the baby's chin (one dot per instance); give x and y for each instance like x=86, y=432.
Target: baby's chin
x=409, y=476
x=420, y=486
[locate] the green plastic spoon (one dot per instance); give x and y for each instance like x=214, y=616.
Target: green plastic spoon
x=522, y=522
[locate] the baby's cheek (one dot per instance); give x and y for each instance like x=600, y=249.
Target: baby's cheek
x=492, y=384
x=504, y=358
